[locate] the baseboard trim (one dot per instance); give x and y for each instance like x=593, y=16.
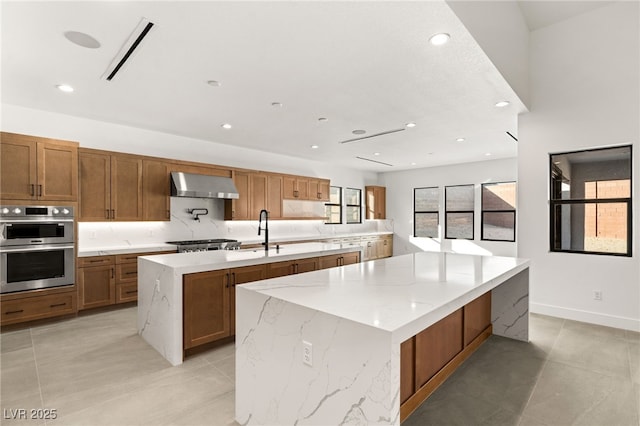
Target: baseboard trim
x=586, y=316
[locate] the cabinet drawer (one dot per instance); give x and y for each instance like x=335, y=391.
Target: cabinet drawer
x=32, y=308
x=126, y=292
x=126, y=272
x=96, y=261
x=127, y=258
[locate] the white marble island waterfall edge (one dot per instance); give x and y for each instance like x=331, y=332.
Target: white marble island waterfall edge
x=355, y=317
x=160, y=278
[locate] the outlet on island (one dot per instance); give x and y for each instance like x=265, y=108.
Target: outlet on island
x=307, y=353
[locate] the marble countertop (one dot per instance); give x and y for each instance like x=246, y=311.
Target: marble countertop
x=187, y=263
x=142, y=248
x=399, y=294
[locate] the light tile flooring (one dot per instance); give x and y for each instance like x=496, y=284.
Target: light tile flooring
x=95, y=370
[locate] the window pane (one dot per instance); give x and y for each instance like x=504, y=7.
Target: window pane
x=426, y=225
x=459, y=225
x=592, y=227
x=499, y=226
x=353, y=214
x=352, y=196
x=459, y=198
x=426, y=199
x=499, y=196
x=600, y=173
x=333, y=214
x=335, y=195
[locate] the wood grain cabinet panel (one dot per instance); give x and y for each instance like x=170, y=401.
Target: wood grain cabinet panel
x=206, y=307
x=295, y=188
x=34, y=168
x=407, y=369
x=239, y=276
x=319, y=189
x=126, y=292
x=238, y=209
x=96, y=282
x=126, y=188
x=274, y=196
x=477, y=317
x=437, y=345
x=156, y=194
x=47, y=305
x=375, y=202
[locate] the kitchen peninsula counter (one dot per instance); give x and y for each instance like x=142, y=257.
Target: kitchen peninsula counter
x=353, y=321
x=160, y=285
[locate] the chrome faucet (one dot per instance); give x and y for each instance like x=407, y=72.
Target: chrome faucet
x=266, y=227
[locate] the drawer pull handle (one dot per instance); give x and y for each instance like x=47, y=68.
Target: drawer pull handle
x=131, y=273
x=33, y=191
x=131, y=291
x=96, y=261
x=56, y=305
x=14, y=312
x=39, y=190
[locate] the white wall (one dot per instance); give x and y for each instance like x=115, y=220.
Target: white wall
x=400, y=187
x=120, y=138
x=585, y=93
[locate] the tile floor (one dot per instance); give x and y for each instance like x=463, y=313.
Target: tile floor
x=95, y=370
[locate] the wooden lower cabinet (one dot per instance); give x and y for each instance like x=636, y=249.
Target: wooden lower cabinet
x=96, y=281
x=291, y=267
x=335, y=260
x=21, y=307
x=240, y=276
x=431, y=356
x=205, y=307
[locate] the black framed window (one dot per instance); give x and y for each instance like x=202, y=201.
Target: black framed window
x=333, y=209
x=426, y=207
x=590, y=201
x=458, y=211
x=353, y=199
x=498, y=212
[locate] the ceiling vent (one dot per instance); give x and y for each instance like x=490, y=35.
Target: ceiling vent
x=373, y=136
x=375, y=161
x=125, y=52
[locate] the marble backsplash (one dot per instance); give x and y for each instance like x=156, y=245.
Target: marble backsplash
x=183, y=226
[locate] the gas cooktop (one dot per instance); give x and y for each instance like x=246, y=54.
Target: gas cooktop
x=206, y=245
x=213, y=241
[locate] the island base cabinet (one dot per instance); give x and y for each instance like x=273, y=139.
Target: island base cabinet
x=96, y=282
x=239, y=276
x=205, y=307
x=298, y=266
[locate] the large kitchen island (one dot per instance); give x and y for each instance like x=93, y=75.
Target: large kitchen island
x=367, y=343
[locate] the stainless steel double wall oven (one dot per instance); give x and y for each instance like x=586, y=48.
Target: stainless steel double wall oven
x=37, y=247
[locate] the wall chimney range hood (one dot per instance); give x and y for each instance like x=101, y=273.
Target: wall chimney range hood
x=202, y=186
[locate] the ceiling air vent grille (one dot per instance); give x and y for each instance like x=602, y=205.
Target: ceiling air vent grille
x=373, y=136
x=374, y=161
x=125, y=52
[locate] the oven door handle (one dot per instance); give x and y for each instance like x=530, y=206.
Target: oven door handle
x=40, y=247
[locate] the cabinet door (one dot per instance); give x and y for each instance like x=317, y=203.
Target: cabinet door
x=95, y=186
x=289, y=188
x=350, y=258
x=126, y=292
x=257, y=194
x=381, y=202
x=330, y=261
x=314, y=189
x=280, y=269
x=126, y=188
x=17, y=167
x=206, y=307
x=127, y=273
x=375, y=202
x=238, y=209
x=96, y=286
x=38, y=307
x=302, y=186
x=57, y=171
x=306, y=265
x=274, y=196
x=239, y=276
x=324, y=189
x=155, y=190
x=386, y=249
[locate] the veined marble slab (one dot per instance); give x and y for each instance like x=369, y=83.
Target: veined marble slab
x=355, y=317
x=140, y=248
x=160, y=286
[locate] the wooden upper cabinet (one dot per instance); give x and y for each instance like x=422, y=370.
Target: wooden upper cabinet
x=110, y=186
x=238, y=209
x=257, y=194
x=156, y=190
x=35, y=168
x=295, y=188
x=274, y=196
x=376, y=202
x=319, y=189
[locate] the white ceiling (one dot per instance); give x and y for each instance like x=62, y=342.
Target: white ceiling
x=541, y=13
x=362, y=65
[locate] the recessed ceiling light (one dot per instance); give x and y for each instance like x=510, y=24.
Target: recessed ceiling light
x=359, y=132
x=82, y=39
x=65, y=88
x=276, y=104
x=314, y=147
x=439, y=39
x=323, y=119
x=413, y=164
x=214, y=83
x=502, y=104
x=488, y=154
x=412, y=124
x=226, y=126
x=376, y=153
x=460, y=140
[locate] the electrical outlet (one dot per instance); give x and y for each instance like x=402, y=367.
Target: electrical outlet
x=597, y=295
x=157, y=285
x=307, y=353
x=150, y=232
x=92, y=235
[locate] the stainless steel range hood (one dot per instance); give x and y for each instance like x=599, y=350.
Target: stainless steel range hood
x=202, y=186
